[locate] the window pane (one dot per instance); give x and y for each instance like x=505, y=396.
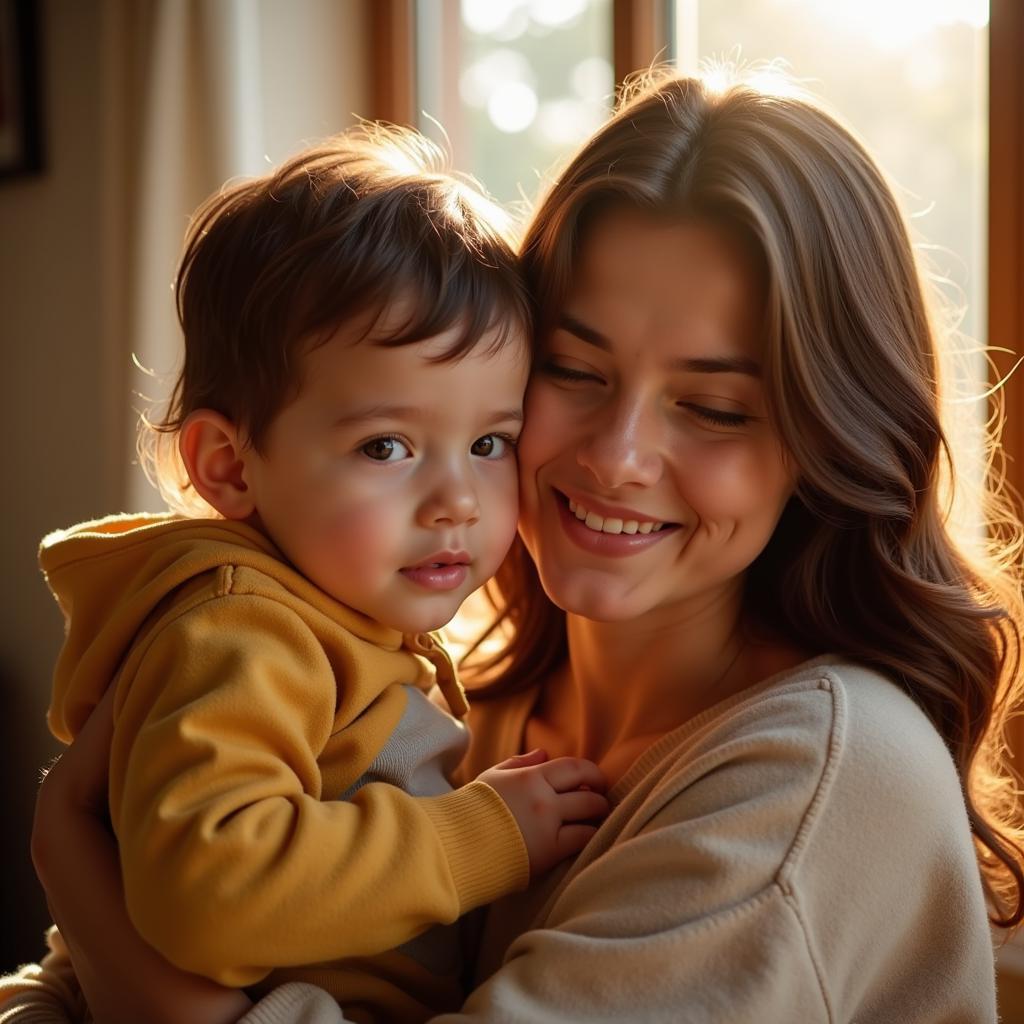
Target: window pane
x=910, y=77
x=515, y=84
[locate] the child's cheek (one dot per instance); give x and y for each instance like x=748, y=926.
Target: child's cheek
x=502, y=514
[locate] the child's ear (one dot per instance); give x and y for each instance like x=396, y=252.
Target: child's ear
x=211, y=447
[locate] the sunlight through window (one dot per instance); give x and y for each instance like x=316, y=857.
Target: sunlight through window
x=910, y=77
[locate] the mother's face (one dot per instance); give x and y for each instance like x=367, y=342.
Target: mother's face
x=650, y=474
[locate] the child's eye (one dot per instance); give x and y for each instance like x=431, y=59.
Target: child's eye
x=716, y=417
x=492, y=446
x=385, y=449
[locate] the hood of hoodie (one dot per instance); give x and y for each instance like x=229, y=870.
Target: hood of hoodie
x=109, y=576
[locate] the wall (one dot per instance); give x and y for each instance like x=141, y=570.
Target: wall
x=53, y=397
x=65, y=255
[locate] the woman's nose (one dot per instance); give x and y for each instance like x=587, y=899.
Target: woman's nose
x=623, y=446
x=451, y=501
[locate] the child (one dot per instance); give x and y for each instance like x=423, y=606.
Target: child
x=356, y=350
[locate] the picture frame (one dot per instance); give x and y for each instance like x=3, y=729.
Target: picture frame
x=21, y=133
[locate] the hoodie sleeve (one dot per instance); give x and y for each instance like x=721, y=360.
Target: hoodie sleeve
x=232, y=864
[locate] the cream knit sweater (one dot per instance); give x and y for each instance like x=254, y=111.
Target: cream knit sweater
x=799, y=853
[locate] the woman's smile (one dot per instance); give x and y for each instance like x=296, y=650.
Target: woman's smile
x=613, y=520
x=616, y=536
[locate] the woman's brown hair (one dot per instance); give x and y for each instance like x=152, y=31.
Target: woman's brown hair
x=363, y=224
x=862, y=563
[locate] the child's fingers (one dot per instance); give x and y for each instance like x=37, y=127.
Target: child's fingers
x=572, y=839
x=581, y=804
x=565, y=773
x=531, y=757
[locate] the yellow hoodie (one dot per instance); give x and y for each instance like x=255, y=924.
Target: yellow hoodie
x=247, y=701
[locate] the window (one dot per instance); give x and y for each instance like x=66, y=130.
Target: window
x=911, y=79
x=513, y=85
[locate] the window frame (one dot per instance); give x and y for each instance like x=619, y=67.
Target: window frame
x=640, y=37
x=1005, y=284
x=392, y=30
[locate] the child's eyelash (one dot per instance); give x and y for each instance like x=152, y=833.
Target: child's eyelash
x=383, y=437
x=395, y=439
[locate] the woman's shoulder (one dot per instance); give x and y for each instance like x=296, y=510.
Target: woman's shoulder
x=851, y=712
x=882, y=785
x=868, y=731
x=840, y=733
x=825, y=773
x=821, y=802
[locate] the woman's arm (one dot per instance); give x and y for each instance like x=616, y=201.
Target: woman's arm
x=124, y=980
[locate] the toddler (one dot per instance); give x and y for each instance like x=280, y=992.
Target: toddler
x=341, y=449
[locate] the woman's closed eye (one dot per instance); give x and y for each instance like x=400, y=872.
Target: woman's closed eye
x=568, y=374
x=716, y=417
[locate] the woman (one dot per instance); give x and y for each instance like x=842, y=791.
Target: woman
x=755, y=620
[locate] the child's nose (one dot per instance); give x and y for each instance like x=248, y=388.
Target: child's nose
x=453, y=502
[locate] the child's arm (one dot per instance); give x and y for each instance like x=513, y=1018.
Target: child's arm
x=123, y=979
x=232, y=862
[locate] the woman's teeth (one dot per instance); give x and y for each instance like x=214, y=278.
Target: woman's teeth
x=611, y=525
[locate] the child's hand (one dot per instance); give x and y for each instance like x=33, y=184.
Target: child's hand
x=550, y=801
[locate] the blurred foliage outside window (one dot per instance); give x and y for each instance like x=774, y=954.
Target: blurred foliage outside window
x=909, y=76
x=513, y=86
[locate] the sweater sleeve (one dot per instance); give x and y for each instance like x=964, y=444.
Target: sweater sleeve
x=294, y=1003
x=232, y=864
x=44, y=993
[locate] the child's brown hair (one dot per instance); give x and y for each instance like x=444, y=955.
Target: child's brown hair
x=364, y=223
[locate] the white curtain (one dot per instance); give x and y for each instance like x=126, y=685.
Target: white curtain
x=199, y=92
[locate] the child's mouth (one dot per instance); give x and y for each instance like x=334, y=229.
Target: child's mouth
x=443, y=571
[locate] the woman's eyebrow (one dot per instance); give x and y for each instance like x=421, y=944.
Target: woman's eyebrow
x=727, y=364
x=707, y=364
x=583, y=332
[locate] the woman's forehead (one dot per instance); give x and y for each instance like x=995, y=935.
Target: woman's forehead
x=630, y=243
x=692, y=276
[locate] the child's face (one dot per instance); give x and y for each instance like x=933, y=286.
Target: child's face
x=390, y=482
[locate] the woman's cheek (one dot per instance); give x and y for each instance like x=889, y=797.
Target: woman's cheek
x=548, y=421
x=725, y=479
